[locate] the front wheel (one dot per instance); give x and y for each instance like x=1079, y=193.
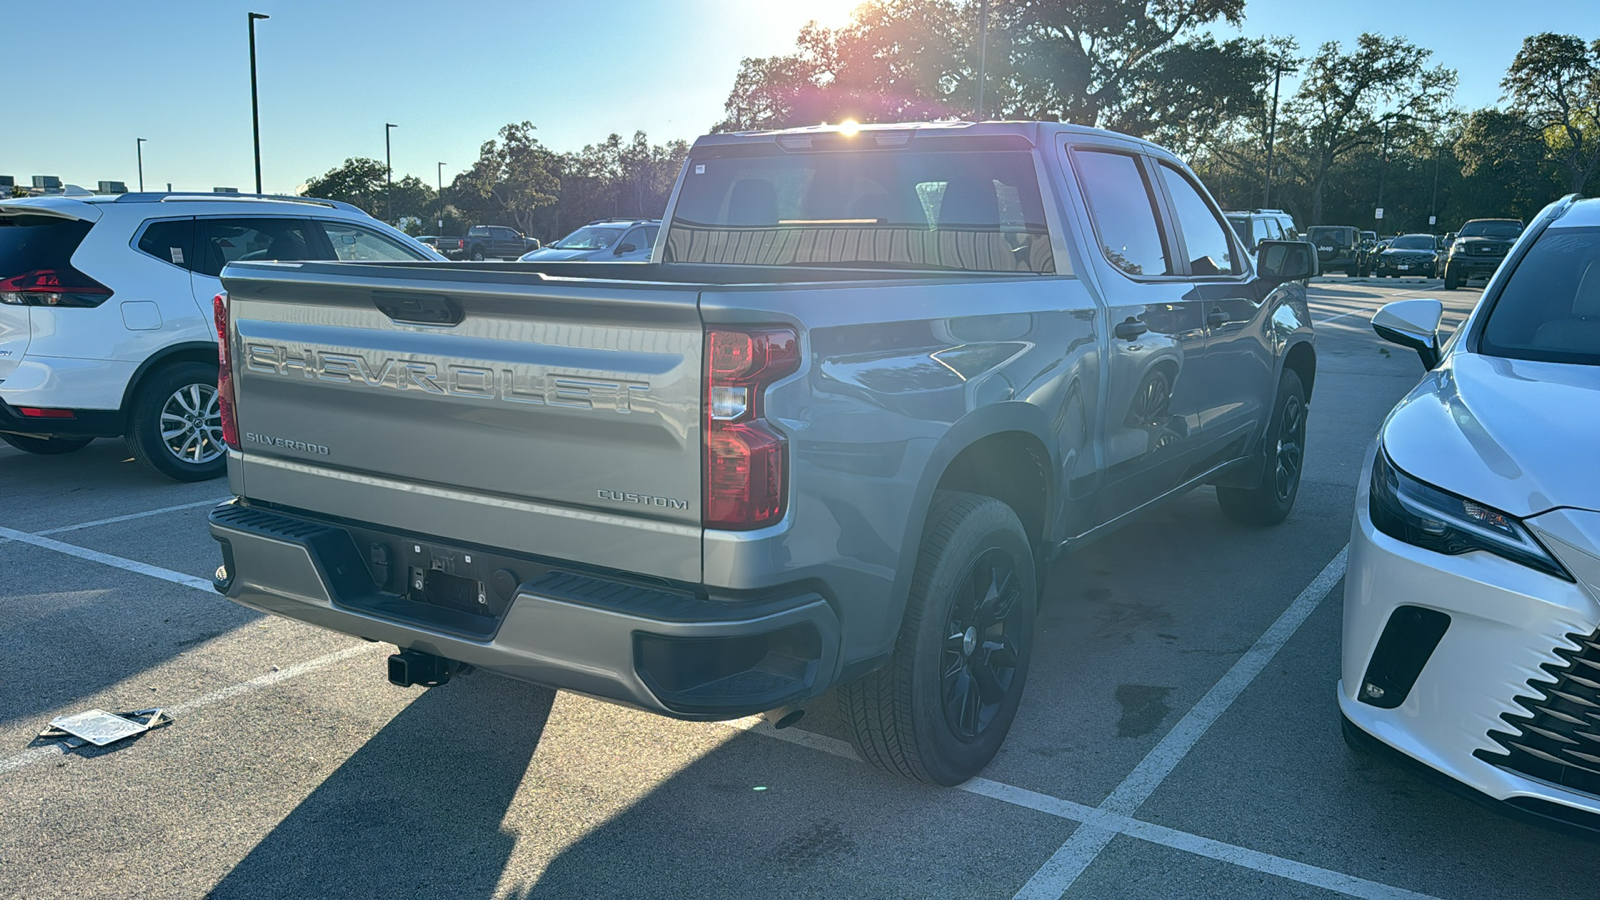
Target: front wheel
x=938, y=711
x=1452, y=278
x=175, y=426
x=46, y=446
x=1269, y=502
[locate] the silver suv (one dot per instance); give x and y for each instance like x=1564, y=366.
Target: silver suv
x=106, y=311
x=603, y=240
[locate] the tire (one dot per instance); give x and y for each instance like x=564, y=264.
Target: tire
x=477, y=254
x=1452, y=278
x=926, y=714
x=1270, y=501
x=55, y=446
x=174, y=427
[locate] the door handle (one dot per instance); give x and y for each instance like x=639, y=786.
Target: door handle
x=1218, y=318
x=1131, y=329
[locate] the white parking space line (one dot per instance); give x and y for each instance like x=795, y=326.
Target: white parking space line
x=106, y=559
x=1115, y=823
x=131, y=516
x=1063, y=868
x=51, y=751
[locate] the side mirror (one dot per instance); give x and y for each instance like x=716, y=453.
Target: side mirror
x=1281, y=261
x=624, y=248
x=1413, y=324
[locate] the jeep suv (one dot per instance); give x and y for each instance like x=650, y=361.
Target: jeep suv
x=1478, y=249
x=106, y=312
x=1336, y=247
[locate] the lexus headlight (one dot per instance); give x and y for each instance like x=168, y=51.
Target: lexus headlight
x=1427, y=517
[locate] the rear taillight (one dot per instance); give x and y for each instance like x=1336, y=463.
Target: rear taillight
x=230, y=420
x=746, y=461
x=64, y=286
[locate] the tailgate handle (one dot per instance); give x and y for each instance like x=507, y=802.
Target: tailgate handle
x=420, y=309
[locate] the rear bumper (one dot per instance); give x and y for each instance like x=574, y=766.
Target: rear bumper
x=84, y=423
x=673, y=652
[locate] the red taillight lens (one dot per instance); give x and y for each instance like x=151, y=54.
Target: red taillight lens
x=65, y=286
x=746, y=462
x=230, y=421
x=34, y=412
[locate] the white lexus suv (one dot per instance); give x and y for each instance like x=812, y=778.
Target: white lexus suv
x=106, y=324
x=1472, y=601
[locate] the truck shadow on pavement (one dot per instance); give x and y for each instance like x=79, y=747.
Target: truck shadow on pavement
x=417, y=811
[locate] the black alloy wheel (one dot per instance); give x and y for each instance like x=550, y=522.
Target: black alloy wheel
x=1270, y=499
x=980, y=657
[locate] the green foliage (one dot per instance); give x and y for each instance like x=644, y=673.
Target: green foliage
x=364, y=183
x=513, y=178
x=1554, y=83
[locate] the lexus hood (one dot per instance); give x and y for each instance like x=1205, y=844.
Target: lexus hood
x=1517, y=435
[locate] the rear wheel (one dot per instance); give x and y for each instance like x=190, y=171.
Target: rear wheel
x=477, y=254
x=175, y=426
x=1270, y=501
x=939, y=709
x=54, y=446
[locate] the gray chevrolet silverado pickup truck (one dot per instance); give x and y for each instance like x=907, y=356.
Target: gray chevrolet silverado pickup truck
x=830, y=436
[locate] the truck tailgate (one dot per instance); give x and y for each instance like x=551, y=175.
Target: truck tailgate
x=541, y=416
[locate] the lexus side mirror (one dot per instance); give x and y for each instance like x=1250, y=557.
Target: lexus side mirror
x=1413, y=324
x=1281, y=261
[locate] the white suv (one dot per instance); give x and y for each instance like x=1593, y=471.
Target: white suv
x=106, y=325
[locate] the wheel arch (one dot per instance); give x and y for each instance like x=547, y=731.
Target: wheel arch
x=1301, y=359
x=186, y=351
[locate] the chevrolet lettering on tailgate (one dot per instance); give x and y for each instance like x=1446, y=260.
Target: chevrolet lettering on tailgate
x=507, y=384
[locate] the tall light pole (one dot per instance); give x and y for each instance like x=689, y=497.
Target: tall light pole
x=441, y=198
x=388, y=192
x=983, y=53
x=1272, y=132
x=255, y=107
x=1433, y=203
x=138, y=147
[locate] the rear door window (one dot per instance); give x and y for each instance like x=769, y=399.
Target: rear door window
x=170, y=240
x=222, y=241
x=353, y=243
x=1124, y=212
x=1205, y=238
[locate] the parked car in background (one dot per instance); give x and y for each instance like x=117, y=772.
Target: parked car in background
x=603, y=240
x=495, y=242
x=1336, y=247
x=1472, y=600
x=1257, y=225
x=451, y=247
x=1408, y=254
x=106, y=311
x=826, y=439
x=1479, y=247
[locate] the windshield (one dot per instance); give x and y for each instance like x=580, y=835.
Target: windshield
x=1413, y=242
x=977, y=211
x=1549, y=309
x=1338, y=236
x=1491, y=229
x=589, y=237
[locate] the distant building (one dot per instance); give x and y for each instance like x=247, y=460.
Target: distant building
x=46, y=184
x=8, y=185
x=112, y=187
x=217, y=190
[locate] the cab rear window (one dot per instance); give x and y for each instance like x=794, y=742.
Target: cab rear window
x=977, y=211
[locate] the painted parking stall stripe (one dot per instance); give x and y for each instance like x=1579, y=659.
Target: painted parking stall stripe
x=132, y=516
x=1066, y=864
x=106, y=559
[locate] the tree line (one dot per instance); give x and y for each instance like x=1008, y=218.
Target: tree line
x=1369, y=125
x=518, y=181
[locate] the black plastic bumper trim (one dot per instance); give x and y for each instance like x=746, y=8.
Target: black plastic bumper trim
x=84, y=423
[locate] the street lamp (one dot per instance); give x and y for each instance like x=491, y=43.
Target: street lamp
x=388, y=167
x=255, y=107
x=1278, y=68
x=138, y=147
x=983, y=51
x=441, y=198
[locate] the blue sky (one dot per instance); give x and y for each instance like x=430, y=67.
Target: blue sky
x=87, y=78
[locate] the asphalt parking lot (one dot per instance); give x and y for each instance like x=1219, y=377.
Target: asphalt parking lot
x=1179, y=737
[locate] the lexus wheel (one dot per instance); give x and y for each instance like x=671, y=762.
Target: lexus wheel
x=175, y=425
x=939, y=710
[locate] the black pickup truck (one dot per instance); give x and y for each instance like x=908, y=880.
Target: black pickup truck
x=495, y=242
x=1478, y=249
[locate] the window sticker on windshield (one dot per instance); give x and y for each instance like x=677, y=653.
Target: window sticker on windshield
x=177, y=256
x=699, y=170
